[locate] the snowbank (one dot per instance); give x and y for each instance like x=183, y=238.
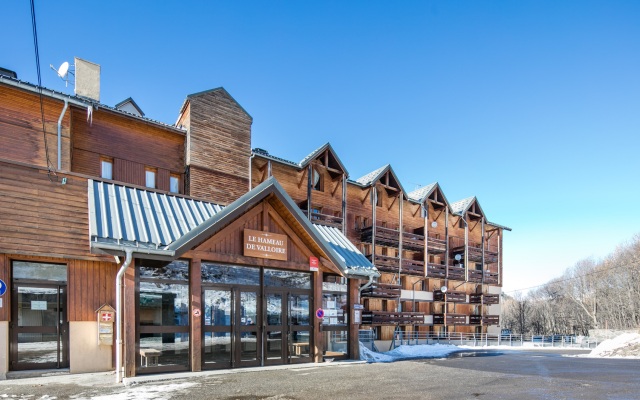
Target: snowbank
x=626, y=345
x=407, y=352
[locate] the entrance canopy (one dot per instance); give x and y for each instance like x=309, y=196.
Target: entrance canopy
x=162, y=226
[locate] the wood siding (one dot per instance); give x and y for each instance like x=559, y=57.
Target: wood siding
x=41, y=216
x=91, y=284
x=21, y=128
x=219, y=142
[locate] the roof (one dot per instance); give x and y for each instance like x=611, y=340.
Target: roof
x=310, y=157
x=421, y=194
x=218, y=89
x=372, y=176
x=506, y=228
x=165, y=226
x=129, y=101
x=82, y=101
x=461, y=206
x=142, y=218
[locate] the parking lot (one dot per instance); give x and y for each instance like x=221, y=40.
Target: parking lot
x=542, y=374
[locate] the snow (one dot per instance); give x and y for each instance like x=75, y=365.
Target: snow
x=626, y=345
x=151, y=392
x=405, y=352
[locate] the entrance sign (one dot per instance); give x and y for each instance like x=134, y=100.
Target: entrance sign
x=106, y=315
x=265, y=245
x=3, y=287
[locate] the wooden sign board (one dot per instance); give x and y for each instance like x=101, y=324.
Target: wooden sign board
x=265, y=245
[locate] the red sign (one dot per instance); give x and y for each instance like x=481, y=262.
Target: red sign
x=320, y=313
x=196, y=312
x=106, y=316
x=314, y=263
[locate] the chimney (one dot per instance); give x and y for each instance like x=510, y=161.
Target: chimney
x=87, y=79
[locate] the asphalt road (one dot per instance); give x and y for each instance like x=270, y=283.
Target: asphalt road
x=506, y=375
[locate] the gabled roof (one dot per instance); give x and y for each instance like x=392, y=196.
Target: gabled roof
x=159, y=225
x=218, y=89
x=374, y=176
x=132, y=102
x=460, y=207
x=420, y=195
x=314, y=154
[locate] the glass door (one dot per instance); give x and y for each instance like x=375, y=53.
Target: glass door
x=40, y=331
x=245, y=332
x=275, y=329
x=216, y=327
x=299, y=327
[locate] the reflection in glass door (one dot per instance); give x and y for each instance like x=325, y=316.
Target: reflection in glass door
x=299, y=328
x=275, y=330
x=217, y=318
x=287, y=327
x=40, y=333
x=246, y=329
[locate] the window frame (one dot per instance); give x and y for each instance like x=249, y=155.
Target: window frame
x=106, y=160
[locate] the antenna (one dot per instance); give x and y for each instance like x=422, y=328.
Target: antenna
x=63, y=72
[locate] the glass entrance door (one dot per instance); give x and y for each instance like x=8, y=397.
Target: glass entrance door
x=231, y=328
x=287, y=330
x=40, y=331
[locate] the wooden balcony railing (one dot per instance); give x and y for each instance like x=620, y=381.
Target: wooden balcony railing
x=484, y=298
x=435, y=244
x=390, y=264
x=489, y=277
x=436, y=270
x=484, y=319
x=452, y=319
x=452, y=296
x=456, y=245
x=325, y=219
x=392, y=318
x=382, y=290
x=456, y=272
x=391, y=238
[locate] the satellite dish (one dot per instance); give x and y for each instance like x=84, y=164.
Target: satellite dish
x=63, y=70
x=434, y=224
x=458, y=257
x=444, y=289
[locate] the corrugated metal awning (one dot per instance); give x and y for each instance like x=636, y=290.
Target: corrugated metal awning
x=338, y=242
x=140, y=217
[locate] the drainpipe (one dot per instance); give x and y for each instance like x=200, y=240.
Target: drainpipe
x=466, y=246
x=64, y=110
x=250, y=168
x=367, y=285
x=123, y=269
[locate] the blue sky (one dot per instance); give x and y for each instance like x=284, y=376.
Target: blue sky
x=532, y=106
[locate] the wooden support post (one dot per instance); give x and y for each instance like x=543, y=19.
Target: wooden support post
x=196, y=315
x=129, y=307
x=317, y=331
x=354, y=330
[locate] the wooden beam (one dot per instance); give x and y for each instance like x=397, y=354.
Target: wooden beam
x=318, y=345
x=129, y=302
x=304, y=174
x=366, y=195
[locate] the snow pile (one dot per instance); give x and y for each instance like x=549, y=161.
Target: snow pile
x=626, y=345
x=407, y=352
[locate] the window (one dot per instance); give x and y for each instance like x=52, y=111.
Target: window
x=106, y=168
x=150, y=177
x=358, y=222
x=174, y=183
x=378, y=197
x=316, y=180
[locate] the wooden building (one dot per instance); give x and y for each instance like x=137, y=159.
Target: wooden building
x=199, y=253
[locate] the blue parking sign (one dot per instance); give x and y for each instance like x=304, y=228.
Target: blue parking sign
x=3, y=287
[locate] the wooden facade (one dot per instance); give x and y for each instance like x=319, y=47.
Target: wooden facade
x=44, y=218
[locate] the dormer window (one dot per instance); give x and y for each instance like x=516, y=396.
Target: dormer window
x=316, y=180
x=106, y=168
x=150, y=177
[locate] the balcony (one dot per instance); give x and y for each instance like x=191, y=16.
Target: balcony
x=484, y=298
x=392, y=318
x=489, y=277
x=436, y=244
x=390, y=264
x=436, y=271
x=452, y=319
x=391, y=238
x=456, y=272
x=324, y=219
x=452, y=296
x=484, y=320
x=456, y=245
x=382, y=290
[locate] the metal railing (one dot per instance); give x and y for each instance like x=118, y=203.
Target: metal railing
x=484, y=339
